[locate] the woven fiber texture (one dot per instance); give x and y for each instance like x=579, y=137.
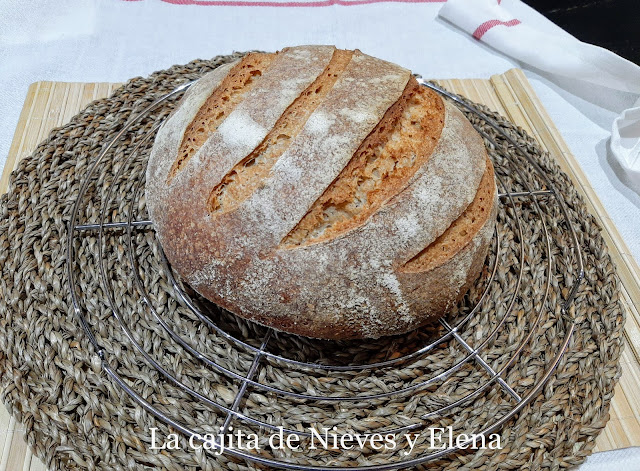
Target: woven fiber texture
x=77, y=417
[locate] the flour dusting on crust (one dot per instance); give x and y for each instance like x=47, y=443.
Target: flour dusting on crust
x=350, y=285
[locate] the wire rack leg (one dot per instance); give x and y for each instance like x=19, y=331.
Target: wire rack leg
x=243, y=387
x=482, y=362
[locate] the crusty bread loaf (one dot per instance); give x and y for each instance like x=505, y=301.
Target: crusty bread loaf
x=322, y=192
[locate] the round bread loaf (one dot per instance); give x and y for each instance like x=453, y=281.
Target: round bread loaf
x=322, y=192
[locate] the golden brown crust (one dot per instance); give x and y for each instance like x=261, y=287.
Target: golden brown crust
x=430, y=291
x=399, y=145
x=242, y=180
x=239, y=81
x=349, y=283
x=461, y=232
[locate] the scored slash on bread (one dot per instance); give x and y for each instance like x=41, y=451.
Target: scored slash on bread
x=322, y=192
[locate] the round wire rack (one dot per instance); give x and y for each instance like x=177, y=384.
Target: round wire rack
x=468, y=374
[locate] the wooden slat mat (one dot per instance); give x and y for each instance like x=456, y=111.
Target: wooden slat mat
x=52, y=104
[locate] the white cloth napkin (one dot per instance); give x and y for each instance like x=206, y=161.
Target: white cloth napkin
x=560, y=54
x=625, y=459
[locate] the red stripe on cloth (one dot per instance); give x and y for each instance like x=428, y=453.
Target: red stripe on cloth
x=317, y=3
x=487, y=25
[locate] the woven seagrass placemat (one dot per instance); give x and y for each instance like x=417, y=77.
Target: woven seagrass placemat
x=76, y=418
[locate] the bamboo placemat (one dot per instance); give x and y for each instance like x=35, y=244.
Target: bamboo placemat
x=51, y=104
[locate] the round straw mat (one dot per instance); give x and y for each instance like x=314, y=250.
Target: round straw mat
x=76, y=417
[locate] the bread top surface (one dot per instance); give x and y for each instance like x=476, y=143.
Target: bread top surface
x=306, y=181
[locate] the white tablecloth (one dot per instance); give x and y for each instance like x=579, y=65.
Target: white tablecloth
x=77, y=40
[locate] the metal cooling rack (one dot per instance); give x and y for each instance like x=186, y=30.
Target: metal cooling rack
x=538, y=197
